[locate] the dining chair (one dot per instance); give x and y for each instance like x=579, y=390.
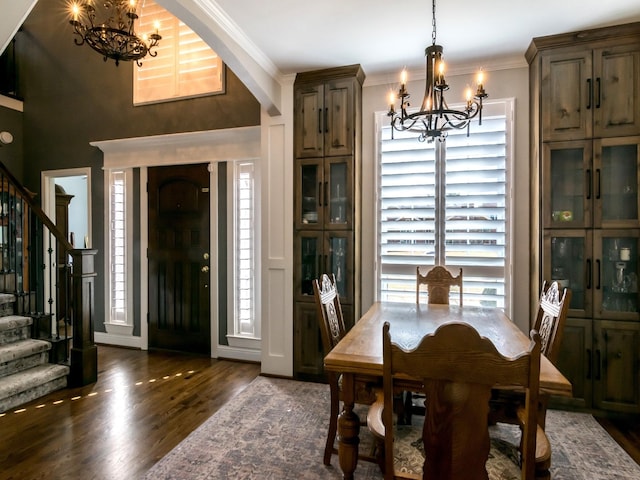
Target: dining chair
x=506, y=404
x=332, y=330
x=439, y=282
x=457, y=368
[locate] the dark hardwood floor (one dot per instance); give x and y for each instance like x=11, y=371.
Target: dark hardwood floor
x=142, y=406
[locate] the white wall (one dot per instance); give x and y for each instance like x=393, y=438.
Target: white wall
x=509, y=83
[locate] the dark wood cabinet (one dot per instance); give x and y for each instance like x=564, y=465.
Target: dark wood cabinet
x=327, y=172
x=585, y=166
x=591, y=92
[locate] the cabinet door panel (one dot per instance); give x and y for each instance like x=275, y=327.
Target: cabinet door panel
x=617, y=176
x=616, y=382
x=338, y=193
x=339, y=118
x=616, y=283
x=567, y=103
x=309, y=193
x=575, y=362
x=617, y=91
x=309, y=128
x=567, y=190
x=338, y=260
x=568, y=259
x=308, y=258
x=307, y=348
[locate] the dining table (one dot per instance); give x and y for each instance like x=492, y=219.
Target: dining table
x=358, y=356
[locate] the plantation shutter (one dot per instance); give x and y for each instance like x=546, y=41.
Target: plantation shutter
x=118, y=252
x=245, y=255
x=445, y=203
x=185, y=66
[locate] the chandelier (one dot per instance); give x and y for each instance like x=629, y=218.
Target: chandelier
x=115, y=38
x=435, y=117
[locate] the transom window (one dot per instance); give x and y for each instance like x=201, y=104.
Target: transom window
x=185, y=66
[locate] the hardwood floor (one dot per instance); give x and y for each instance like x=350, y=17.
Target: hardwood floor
x=142, y=406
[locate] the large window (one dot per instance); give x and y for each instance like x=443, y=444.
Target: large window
x=447, y=203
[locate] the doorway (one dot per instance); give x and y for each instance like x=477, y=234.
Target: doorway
x=179, y=258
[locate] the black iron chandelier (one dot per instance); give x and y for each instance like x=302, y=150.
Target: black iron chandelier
x=115, y=38
x=435, y=117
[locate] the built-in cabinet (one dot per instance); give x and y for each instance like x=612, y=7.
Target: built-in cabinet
x=585, y=170
x=327, y=169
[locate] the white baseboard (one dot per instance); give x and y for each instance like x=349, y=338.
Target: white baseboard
x=117, y=340
x=243, y=354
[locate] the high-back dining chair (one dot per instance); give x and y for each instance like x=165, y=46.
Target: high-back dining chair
x=458, y=369
x=506, y=404
x=439, y=282
x=332, y=330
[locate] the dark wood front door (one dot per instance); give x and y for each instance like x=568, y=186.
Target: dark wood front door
x=179, y=309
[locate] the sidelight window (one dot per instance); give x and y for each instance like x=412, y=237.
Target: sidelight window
x=120, y=231
x=446, y=203
x=242, y=321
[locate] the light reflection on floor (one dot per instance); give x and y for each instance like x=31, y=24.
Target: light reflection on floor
x=93, y=394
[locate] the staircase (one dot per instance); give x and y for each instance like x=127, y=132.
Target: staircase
x=25, y=371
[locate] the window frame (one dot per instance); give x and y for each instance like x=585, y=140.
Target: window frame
x=506, y=106
x=234, y=336
x=115, y=325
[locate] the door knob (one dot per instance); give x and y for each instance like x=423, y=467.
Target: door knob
x=205, y=269
x=205, y=256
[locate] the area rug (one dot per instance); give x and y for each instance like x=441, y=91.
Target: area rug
x=275, y=429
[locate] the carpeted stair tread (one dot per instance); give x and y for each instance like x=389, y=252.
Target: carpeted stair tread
x=22, y=348
x=14, y=384
x=12, y=322
x=7, y=298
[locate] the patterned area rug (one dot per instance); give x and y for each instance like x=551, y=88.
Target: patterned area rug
x=275, y=429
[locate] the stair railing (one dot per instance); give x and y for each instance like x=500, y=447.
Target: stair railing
x=53, y=282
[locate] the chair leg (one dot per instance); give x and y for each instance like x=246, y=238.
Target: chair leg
x=333, y=425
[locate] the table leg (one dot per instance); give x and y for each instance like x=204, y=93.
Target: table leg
x=348, y=429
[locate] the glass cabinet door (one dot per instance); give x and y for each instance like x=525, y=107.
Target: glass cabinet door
x=567, y=189
x=339, y=248
x=338, y=192
x=308, y=263
x=616, y=182
x=567, y=260
x=308, y=194
x=616, y=294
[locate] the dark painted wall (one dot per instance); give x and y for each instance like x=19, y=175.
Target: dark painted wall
x=72, y=97
x=11, y=155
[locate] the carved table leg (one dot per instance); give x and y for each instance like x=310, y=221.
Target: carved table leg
x=348, y=429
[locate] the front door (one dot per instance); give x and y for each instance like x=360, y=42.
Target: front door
x=178, y=255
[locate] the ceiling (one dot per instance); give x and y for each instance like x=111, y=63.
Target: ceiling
x=262, y=41
x=300, y=35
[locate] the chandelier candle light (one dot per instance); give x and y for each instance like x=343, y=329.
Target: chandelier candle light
x=435, y=117
x=114, y=38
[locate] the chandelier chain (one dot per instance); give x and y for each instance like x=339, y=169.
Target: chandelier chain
x=433, y=22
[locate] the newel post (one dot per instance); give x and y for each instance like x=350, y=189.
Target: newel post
x=84, y=353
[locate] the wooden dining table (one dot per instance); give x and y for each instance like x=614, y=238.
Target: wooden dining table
x=358, y=356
